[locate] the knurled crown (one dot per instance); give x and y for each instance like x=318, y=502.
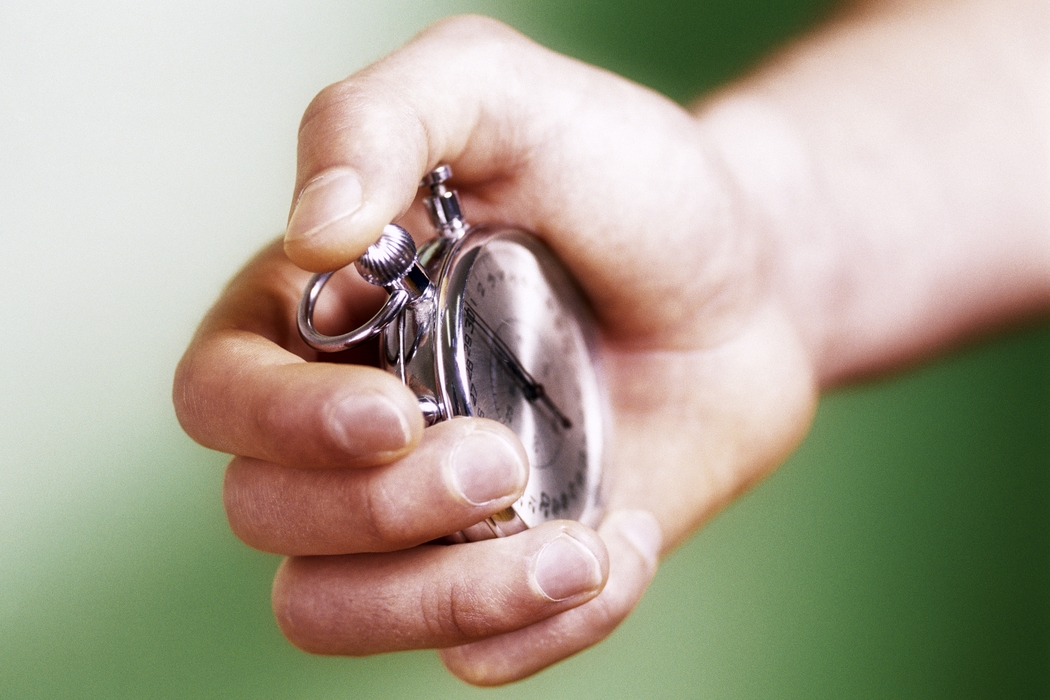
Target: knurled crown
x=389, y=259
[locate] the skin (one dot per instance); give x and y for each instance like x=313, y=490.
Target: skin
x=875, y=194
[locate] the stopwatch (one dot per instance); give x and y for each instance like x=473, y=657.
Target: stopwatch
x=485, y=321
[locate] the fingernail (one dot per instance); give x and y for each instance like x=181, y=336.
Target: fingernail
x=484, y=467
x=331, y=196
x=565, y=568
x=369, y=423
x=640, y=528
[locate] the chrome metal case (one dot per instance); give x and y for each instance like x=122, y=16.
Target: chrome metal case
x=493, y=327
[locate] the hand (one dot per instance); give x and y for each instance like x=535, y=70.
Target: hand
x=816, y=223
x=709, y=382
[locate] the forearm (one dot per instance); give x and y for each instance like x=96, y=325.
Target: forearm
x=901, y=157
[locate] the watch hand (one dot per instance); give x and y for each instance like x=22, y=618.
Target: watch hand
x=532, y=389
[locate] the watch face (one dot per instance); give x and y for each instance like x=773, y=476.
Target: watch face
x=517, y=336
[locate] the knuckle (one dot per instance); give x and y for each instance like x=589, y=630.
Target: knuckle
x=329, y=97
x=254, y=504
x=182, y=394
x=387, y=523
x=236, y=502
x=365, y=108
x=201, y=391
x=453, y=612
x=292, y=616
x=474, y=42
x=470, y=27
x=187, y=398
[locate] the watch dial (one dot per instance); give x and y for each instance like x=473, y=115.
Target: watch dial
x=523, y=359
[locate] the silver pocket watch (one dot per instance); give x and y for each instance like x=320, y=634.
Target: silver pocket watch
x=486, y=322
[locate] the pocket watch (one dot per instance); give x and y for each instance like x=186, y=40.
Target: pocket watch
x=484, y=321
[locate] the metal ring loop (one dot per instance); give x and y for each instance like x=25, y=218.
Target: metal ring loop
x=397, y=301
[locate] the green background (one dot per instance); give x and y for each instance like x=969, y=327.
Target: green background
x=904, y=551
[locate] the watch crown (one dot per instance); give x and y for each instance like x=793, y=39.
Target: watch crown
x=389, y=259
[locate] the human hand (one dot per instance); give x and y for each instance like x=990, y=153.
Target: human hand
x=709, y=383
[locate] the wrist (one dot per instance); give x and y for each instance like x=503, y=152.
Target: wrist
x=899, y=203
x=798, y=267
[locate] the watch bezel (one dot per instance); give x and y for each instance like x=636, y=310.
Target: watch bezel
x=452, y=385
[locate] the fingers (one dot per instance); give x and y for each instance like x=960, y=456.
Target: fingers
x=633, y=540
x=462, y=472
x=535, y=139
x=242, y=395
x=365, y=142
x=239, y=391
x=437, y=596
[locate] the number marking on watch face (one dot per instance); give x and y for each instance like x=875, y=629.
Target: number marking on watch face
x=526, y=364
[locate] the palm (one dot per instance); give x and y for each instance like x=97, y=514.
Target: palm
x=707, y=397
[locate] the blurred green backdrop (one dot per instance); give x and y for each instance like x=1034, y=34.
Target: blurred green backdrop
x=904, y=551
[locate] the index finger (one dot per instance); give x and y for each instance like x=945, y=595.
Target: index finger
x=241, y=389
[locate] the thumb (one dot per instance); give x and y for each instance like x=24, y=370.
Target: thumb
x=365, y=142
